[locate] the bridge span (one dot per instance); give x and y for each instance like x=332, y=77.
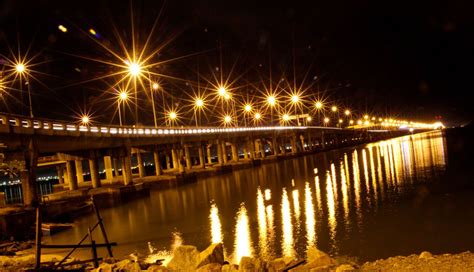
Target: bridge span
x=30, y=143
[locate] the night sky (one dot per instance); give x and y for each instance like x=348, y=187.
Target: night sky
x=410, y=58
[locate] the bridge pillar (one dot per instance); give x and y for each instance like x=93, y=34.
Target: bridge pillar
x=79, y=171
x=156, y=159
x=283, y=146
x=244, y=149
x=235, y=153
x=275, y=146
x=224, y=152
x=187, y=155
x=141, y=168
x=256, y=145
x=323, y=143
x=71, y=175
x=262, y=148
x=168, y=161
x=116, y=166
x=28, y=175
x=94, y=171
x=302, y=143
x=60, y=171
x=220, y=159
x=294, y=148
x=127, y=169
x=202, y=162
x=181, y=161
x=310, y=142
x=108, y=168
x=209, y=155
x=251, y=146
x=174, y=156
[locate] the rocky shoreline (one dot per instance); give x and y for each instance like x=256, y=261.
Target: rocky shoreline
x=14, y=257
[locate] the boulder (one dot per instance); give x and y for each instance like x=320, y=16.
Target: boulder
x=105, y=267
x=345, y=267
x=184, y=258
x=213, y=254
x=425, y=255
x=127, y=266
x=230, y=268
x=157, y=268
x=312, y=253
x=249, y=264
x=212, y=267
x=276, y=265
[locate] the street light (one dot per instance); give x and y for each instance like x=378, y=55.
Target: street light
x=85, y=120
x=271, y=101
x=122, y=98
x=248, y=108
x=326, y=120
x=318, y=105
x=20, y=68
x=222, y=91
x=134, y=69
x=333, y=108
x=347, y=112
x=198, y=105
x=154, y=87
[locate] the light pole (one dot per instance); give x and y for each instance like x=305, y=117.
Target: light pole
x=198, y=105
x=21, y=70
x=154, y=88
x=271, y=101
x=123, y=96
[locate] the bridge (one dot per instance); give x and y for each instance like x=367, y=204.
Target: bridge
x=36, y=142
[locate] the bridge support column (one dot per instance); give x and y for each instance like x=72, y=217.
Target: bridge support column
x=310, y=142
x=168, y=161
x=127, y=169
x=275, y=146
x=209, y=154
x=262, y=148
x=251, y=146
x=323, y=143
x=79, y=171
x=28, y=176
x=294, y=148
x=256, y=145
x=60, y=171
x=224, y=152
x=302, y=143
x=94, y=171
x=116, y=167
x=235, y=153
x=283, y=146
x=244, y=149
x=202, y=162
x=141, y=168
x=181, y=162
x=187, y=155
x=156, y=159
x=108, y=168
x=174, y=156
x=220, y=156
x=71, y=175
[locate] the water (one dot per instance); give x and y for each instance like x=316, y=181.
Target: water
x=373, y=201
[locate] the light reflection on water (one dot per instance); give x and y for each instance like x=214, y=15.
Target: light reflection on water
x=241, y=208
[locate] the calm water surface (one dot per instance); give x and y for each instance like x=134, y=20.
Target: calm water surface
x=372, y=201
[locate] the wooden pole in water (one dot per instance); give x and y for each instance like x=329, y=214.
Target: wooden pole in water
x=102, y=229
x=93, y=249
x=38, y=237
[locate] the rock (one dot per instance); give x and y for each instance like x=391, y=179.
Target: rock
x=212, y=267
x=276, y=265
x=230, y=268
x=105, y=267
x=213, y=254
x=249, y=264
x=321, y=269
x=312, y=253
x=184, y=258
x=157, y=268
x=127, y=266
x=345, y=267
x=425, y=255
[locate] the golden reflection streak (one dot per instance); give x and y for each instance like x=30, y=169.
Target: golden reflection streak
x=379, y=171
x=392, y=168
x=262, y=225
x=296, y=205
x=216, y=228
x=287, y=226
x=318, y=193
x=345, y=200
x=243, y=242
x=386, y=162
x=355, y=171
x=310, y=217
x=366, y=171
x=346, y=167
x=334, y=180
x=270, y=225
x=372, y=172
x=331, y=208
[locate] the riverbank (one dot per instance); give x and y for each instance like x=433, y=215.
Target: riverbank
x=213, y=258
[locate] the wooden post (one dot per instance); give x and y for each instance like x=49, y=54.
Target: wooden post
x=93, y=249
x=38, y=238
x=102, y=229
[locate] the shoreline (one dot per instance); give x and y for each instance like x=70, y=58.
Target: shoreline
x=188, y=258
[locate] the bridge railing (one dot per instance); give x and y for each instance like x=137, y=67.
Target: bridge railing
x=43, y=124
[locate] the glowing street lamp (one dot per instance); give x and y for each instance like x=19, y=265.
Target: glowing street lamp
x=326, y=120
x=122, y=98
x=271, y=100
x=20, y=68
x=198, y=106
x=222, y=91
x=199, y=103
x=172, y=116
x=285, y=117
x=85, y=120
x=295, y=99
x=248, y=108
x=333, y=108
x=134, y=69
x=227, y=119
x=366, y=117
x=318, y=105
x=351, y=122
x=257, y=116
x=347, y=112
x=309, y=118
x=155, y=86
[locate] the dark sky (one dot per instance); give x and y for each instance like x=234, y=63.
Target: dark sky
x=412, y=58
